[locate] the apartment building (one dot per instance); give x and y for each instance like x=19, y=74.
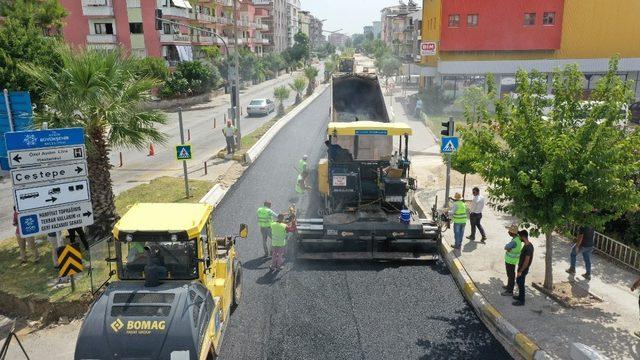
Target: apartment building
x=276, y=21
x=293, y=8
x=467, y=39
x=315, y=33
x=337, y=39
x=304, y=22
x=401, y=27
x=131, y=25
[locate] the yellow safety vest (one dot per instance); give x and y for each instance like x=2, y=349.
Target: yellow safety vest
x=264, y=217
x=460, y=216
x=513, y=256
x=278, y=234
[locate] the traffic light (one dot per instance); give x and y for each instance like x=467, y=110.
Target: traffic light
x=449, y=127
x=158, y=19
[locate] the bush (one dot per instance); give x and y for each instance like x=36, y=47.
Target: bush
x=434, y=100
x=151, y=67
x=190, y=78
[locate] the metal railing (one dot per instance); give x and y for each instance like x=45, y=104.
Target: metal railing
x=615, y=250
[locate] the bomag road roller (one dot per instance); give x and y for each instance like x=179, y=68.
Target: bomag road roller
x=175, y=290
x=365, y=183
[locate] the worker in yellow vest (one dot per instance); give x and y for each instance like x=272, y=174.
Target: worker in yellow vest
x=511, y=258
x=278, y=243
x=265, y=218
x=458, y=213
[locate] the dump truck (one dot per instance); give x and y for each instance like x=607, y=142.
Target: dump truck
x=176, y=287
x=366, y=183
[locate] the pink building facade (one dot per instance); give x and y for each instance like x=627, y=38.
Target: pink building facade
x=131, y=25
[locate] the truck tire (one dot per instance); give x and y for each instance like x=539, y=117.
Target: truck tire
x=237, y=284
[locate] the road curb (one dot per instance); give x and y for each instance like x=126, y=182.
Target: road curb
x=514, y=339
x=215, y=195
x=254, y=152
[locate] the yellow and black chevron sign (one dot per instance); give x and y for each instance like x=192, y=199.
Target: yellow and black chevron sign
x=70, y=260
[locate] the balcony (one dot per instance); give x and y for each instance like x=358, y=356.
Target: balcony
x=101, y=39
x=202, y=39
x=205, y=18
x=102, y=8
x=175, y=38
x=176, y=12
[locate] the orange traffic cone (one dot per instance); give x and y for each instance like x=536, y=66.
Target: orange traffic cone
x=151, y=150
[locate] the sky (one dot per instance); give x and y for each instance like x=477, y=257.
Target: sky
x=348, y=15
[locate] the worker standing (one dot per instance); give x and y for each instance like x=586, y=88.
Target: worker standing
x=229, y=133
x=303, y=173
x=300, y=186
x=475, y=215
x=302, y=165
x=459, y=214
x=265, y=218
x=278, y=242
x=511, y=258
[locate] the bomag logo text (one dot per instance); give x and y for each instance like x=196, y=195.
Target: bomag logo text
x=145, y=325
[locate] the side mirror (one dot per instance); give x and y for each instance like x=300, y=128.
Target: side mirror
x=244, y=231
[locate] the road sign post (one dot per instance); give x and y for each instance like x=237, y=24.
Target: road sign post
x=184, y=162
x=49, y=176
x=448, y=144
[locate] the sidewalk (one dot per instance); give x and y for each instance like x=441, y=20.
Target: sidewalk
x=607, y=327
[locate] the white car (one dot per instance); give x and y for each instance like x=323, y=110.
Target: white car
x=260, y=107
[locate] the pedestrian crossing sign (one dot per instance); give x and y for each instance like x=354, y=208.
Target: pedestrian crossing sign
x=183, y=152
x=449, y=144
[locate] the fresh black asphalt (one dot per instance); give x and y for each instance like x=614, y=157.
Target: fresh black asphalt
x=336, y=310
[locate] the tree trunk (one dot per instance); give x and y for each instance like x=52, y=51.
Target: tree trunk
x=311, y=87
x=297, y=98
x=464, y=184
x=281, y=109
x=102, y=198
x=548, y=265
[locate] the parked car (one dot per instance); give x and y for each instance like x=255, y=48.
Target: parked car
x=260, y=107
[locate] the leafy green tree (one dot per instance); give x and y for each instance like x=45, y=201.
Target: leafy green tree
x=388, y=65
x=47, y=15
x=22, y=41
x=329, y=68
x=301, y=49
x=434, y=100
x=281, y=93
x=474, y=102
x=297, y=86
x=191, y=78
x=311, y=73
x=574, y=166
x=358, y=40
x=273, y=63
x=98, y=91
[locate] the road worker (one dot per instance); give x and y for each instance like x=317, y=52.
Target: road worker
x=265, y=218
x=459, y=215
x=278, y=242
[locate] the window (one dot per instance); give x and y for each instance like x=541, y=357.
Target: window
x=103, y=28
x=549, y=18
x=135, y=28
x=472, y=20
x=166, y=28
x=529, y=19
x=454, y=20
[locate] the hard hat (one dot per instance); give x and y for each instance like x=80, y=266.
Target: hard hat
x=305, y=157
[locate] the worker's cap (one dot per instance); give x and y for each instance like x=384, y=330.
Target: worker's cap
x=228, y=122
x=457, y=196
x=512, y=228
x=305, y=157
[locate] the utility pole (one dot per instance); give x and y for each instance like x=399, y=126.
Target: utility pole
x=184, y=162
x=449, y=129
x=236, y=93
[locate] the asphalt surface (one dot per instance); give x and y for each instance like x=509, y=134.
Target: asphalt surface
x=336, y=310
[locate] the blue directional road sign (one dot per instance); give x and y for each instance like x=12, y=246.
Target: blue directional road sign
x=183, y=152
x=449, y=144
x=38, y=139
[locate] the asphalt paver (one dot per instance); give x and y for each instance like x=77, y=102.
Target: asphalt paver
x=336, y=310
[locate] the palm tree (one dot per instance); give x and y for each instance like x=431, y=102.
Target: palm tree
x=96, y=90
x=281, y=93
x=311, y=73
x=298, y=86
x=329, y=68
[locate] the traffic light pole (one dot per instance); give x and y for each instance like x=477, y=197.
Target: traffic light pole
x=450, y=129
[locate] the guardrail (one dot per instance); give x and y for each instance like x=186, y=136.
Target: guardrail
x=615, y=250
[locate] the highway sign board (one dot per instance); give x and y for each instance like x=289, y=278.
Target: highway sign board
x=32, y=175
x=37, y=139
x=42, y=196
x=55, y=218
x=44, y=156
x=69, y=259
x=183, y=152
x=449, y=144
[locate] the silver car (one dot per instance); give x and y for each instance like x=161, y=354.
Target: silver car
x=260, y=107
